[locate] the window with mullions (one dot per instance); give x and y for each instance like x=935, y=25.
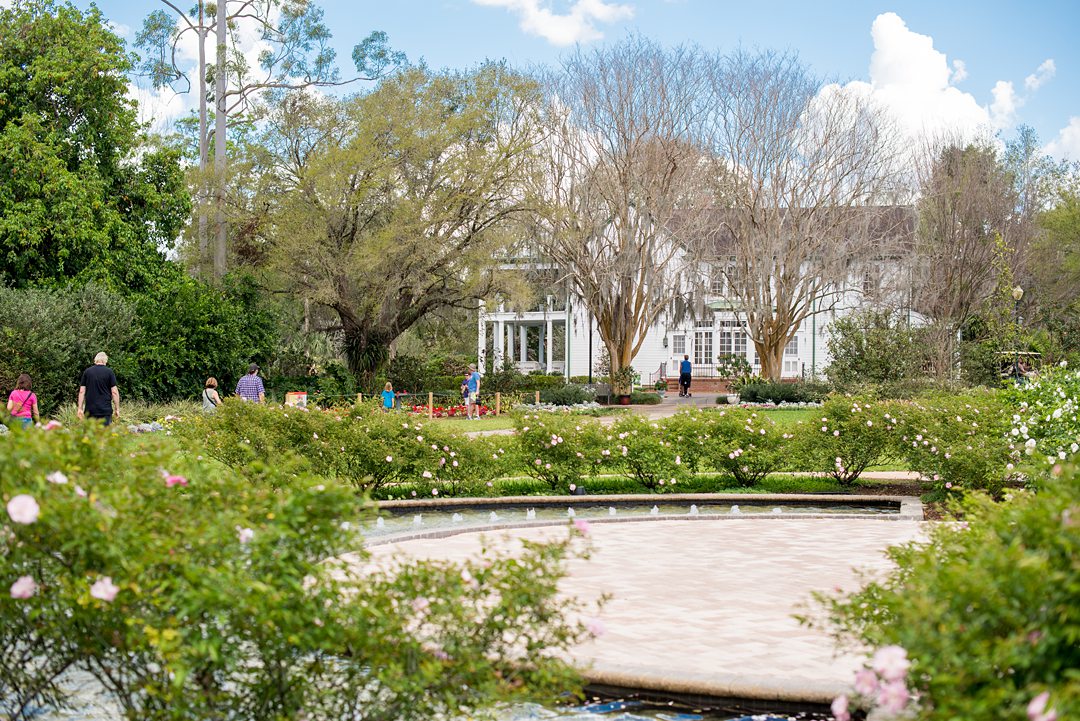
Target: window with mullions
x=703, y=347
x=732, y=340
x=678, y=344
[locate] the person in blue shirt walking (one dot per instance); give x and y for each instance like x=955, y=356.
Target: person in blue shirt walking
x=388, y=397
x=472, y=393
x=685, y=369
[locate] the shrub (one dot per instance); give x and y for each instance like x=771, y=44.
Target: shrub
x=744, y=444
x=1044, y=417
x=958, y=443
x=641, y=398
x=776, y=392
x=187, y=592
x=53, y=335
x=568, y=395
x=559, y=450
x=644, y=451
x=362, y=447
x=873, y=347
x=987, y=609
x=850, y=435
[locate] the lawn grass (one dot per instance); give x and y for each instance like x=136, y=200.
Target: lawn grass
x=487, y=423
x=786, y=418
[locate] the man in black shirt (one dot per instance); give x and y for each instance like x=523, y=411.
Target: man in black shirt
x=98, y=397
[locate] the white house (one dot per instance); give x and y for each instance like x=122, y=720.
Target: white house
x=557, y=335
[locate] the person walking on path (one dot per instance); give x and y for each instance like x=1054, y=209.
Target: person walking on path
x=210, y=398
x=250, y=387
x=472, y=391
x=388, y=397
x=98, y=396
x=22, y=404
x=685, y=369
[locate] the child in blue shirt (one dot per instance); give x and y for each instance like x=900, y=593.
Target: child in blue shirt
x=388, y=398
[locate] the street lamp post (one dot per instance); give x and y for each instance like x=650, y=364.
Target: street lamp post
x=1017, y=294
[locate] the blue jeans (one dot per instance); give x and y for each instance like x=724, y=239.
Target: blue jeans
x=26, y=422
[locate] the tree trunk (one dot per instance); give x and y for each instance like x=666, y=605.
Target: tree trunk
x=204, y=142
x=772, y=358
x=219, y=141
x=366, y=349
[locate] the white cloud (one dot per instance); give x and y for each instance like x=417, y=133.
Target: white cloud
x=1066, y=145
x=578, y=25
x=1003, y=109
x=161, y=108
x=1041, y=75
x=914, y=81
x=917, y=84
x=960, y=73
x=120, y=29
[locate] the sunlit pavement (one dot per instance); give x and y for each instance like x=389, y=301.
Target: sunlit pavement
x=709, y=607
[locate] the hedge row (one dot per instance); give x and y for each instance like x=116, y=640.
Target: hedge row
x=957, y=443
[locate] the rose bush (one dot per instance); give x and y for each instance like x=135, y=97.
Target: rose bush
x=188, y=591
x=850, y=435
x=644, y=450
x=987, y=610
x=746, y=445
x=560, y=450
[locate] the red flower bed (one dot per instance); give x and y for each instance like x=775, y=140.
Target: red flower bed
x=445, y=411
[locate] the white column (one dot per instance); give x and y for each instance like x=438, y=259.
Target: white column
x=547, y=342
x=500, y=344
x=523, y=342
x=540, y=347
x=481, y=340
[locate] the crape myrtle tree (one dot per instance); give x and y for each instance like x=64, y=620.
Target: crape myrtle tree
x=82, y=197
x=624, y=189
x=289, y=51
x=391, y=205
x=805, y=170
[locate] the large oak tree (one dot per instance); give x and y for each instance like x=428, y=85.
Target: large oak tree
x=391, y=205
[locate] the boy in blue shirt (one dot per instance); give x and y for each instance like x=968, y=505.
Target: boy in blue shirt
x=471, y=390
x=388, y=398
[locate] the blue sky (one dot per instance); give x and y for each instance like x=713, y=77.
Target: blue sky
x=940, y=64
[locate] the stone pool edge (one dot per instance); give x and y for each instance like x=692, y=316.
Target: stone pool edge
x=911, y=509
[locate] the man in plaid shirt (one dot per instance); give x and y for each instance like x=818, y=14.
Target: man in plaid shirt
x=250, y=387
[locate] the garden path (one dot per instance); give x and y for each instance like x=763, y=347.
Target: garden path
x=708, y=606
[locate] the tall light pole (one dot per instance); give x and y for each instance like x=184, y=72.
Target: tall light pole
x=1017, y=294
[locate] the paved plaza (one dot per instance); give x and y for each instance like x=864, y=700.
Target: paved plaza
x=707, y=606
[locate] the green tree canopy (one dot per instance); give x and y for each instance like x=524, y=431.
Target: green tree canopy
x=82, y=196
x=395, y=204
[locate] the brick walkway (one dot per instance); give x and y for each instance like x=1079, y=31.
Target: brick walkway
x=706, y=607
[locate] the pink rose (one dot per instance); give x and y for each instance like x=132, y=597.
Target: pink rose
x=104, y=589
x=174, y=480
x=1036, y=710
x=866, y=682
x=595, y=627
x=582, y=526
x=840, y=709
x=893, y=696
x=23, y=588
x=891, y=663
x=23, y=509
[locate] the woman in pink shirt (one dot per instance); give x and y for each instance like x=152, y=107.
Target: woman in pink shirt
x=22, y=404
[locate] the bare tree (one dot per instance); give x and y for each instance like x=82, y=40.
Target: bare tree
x=624, y=184
x=967, y=218
x=807, y=171
x=295, y=55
